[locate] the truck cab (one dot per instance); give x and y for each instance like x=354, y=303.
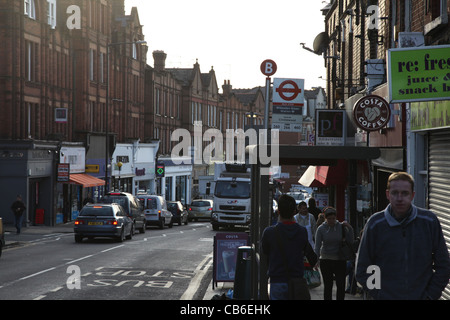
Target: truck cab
x=232, y=197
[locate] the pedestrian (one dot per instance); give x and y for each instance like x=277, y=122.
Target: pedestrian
x=285, y=245
x=332, y=262
x=18, y=207
x=406, y=245
x=312, y=208
x=307, y=220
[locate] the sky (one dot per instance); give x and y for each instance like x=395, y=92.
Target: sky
x=235, y=37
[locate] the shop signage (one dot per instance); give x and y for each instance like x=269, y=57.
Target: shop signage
x=419, y=74
x=225, y=255
x=371, y=113
x=63, y=172
x=330, y=127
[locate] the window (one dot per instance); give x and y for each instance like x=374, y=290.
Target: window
x=51, y=13
x=30, y=9
x=30, y=62
x=134, y=47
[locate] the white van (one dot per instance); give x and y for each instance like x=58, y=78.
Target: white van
x=155, y=209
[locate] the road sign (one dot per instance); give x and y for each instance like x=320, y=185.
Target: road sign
x=268, y=67
x=288, y=92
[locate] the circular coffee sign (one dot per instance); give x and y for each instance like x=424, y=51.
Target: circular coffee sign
x=371, y=113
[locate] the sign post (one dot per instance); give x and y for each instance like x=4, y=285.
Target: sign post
x=288, y=100
x=268, y=68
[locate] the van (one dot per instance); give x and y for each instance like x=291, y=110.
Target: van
x=156, y=212
x=131, y=205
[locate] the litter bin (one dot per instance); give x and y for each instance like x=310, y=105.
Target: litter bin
x=243, y=275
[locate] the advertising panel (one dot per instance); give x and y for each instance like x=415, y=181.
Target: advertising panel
x=419, y=74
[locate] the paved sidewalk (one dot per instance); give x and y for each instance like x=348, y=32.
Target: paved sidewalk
x=12, y=239
x=316, y=293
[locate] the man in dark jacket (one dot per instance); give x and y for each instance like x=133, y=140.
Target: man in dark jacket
x=285, y=245
x=18, y=207
x=403, y=254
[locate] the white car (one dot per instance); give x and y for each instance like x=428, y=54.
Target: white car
x=156, y=212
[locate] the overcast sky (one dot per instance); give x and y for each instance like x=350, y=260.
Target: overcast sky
x=235, y=36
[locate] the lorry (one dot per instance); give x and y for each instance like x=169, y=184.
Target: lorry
x=232, y=196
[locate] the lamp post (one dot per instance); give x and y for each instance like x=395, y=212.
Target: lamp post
x=108, y=46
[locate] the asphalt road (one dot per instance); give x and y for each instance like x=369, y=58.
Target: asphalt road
x=169, y=264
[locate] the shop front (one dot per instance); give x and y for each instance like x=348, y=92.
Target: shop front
x=176, y=185
x=75, y=187
x=27, y=169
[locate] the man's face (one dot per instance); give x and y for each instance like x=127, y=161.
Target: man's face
x=303, y=210
x=400, y=195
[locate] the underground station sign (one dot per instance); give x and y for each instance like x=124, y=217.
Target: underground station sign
x=371, y=113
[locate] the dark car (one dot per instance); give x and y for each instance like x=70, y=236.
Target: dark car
x=103, y=220
x=179, y=213
x=131, y=205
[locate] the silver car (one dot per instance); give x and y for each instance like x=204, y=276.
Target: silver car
x=103, y=220
x=200, y=209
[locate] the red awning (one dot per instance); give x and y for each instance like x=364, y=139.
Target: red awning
x=320, y=176
x=85, y=180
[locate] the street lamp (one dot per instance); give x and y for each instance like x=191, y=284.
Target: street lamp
x=107, y=103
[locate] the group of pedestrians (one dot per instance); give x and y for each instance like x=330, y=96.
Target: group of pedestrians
x=403, y=245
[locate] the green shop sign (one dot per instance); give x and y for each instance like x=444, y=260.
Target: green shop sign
x=430, y=115
x=419, y=74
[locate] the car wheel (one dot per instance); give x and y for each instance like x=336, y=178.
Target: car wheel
x=171, y=223
x=121, y=238
x=186, y=222
x=78, y=239
x=162, y=223
x=144, y=225
x=130, y=236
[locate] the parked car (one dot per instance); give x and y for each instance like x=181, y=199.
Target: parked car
x=2, y=236
x=103, y=220
x=131, y=205
x=155, y=209
x=200, y=209
x=179, y=213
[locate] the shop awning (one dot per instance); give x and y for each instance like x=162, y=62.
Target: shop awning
x=86, y=180
x=320, y=176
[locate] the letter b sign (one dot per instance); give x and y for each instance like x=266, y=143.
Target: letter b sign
x=268, y=67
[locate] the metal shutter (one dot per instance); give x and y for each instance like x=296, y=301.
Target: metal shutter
x=439, y=183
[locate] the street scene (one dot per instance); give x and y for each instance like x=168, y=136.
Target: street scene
x=190, y=151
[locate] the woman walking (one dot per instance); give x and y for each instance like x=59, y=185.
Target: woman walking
x=328, y=247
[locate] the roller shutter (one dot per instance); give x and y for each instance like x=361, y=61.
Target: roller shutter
x=439, y=182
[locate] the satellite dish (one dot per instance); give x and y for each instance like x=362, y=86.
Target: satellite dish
x=320, y=43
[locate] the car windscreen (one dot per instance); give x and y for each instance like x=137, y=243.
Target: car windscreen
x=201, y=204
x=228, y=189
x=97, y=211
x=123, y=201
x=149, y=203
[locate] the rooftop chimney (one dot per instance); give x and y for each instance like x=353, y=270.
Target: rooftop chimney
x=160, y=60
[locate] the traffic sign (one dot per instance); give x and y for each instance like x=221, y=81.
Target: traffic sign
x=288, y=92
x=268, y=67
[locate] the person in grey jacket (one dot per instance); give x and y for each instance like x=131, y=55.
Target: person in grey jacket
x=327, y=246
x=403, y=254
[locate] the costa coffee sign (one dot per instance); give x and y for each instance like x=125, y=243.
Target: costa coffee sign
x=371, y=113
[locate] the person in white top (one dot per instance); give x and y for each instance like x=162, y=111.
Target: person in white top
x=307, y=220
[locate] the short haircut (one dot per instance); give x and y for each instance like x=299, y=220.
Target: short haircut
x=302, y=203
x=329, y=211
x=404, y=176
x=286, y=206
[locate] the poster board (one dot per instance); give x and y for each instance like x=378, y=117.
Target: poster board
x=225, y=254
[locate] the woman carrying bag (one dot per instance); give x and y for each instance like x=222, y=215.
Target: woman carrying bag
x=328, y=246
